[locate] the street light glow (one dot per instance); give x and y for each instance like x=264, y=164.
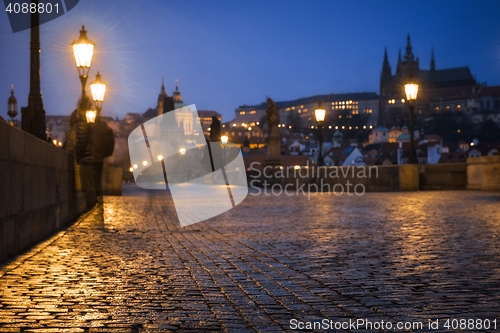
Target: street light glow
x=160, y=157
x=224, y=139
x=98, y=89
x=320, y=113
x=411, y=90
x=182, y=151
x=83, y=49
x=91, y=115
x=144, y=163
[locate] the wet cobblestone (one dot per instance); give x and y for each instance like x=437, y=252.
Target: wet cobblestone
x=128, y=267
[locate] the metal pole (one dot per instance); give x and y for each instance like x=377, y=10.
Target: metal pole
x=320, y=156
x=413, y=157
x=83, y=80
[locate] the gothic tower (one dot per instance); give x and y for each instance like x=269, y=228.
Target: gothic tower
x=161, y=98
x=409, y=65
x=385, y=87
x=177, y=94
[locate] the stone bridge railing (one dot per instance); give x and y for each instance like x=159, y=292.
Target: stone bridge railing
x=37, y=190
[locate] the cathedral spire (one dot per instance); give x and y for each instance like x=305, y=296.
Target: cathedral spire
x=386, y=67
x=433, y=62
x=163, y=92
x=386, y=60
x=409, y=53
x=399, y=56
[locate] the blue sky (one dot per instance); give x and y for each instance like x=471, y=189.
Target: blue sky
x=229, y=53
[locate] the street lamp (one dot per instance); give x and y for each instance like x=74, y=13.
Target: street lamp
x=98, y=89
x=83, y=49
x=320, y=114
x=224, y=139
x=411, y=90
x=91, y=115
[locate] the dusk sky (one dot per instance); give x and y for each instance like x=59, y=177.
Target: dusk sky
x=229, y=53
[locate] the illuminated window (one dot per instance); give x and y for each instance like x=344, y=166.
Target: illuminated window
x=253, y=112
x=354, y=111
x=242, y=112
x=447, y=108
x=458, y=107
x=340, y=116
x=302, y=106
x=305, y=110
x=367, y=110
x=287, y=109
x=293, y=107
x=436, y=109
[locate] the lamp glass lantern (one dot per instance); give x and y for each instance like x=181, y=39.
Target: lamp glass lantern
x=320, y=113
x=98, y=89
x=224, y=139
x=411, y=90
x=83, y=49
x=91, y=115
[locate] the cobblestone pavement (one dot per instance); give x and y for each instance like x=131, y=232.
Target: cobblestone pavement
x=265, y=266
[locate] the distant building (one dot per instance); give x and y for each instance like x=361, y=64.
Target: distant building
x=350, y=109
x=393, y=110
x=166, y=103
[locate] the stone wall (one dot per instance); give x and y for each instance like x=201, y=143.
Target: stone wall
x=37, y=190
x=447, y=176
x=380, y=178
x=483, y=173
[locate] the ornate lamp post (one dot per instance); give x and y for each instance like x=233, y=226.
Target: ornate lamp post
x=320, y=114
x=83, y=49
x=12, y=108
x=411, y=90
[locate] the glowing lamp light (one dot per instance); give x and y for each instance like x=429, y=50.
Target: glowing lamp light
x=98, y=89
x=182, y=151
x=160, y=157
x=54, y=142
x=131, y=169
x=91, y=115
x=224, y=139
x=144, y=163
x=411, y=90
x=135, y=166
x=320, y=113
x=83, y=49
x=296, y=167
